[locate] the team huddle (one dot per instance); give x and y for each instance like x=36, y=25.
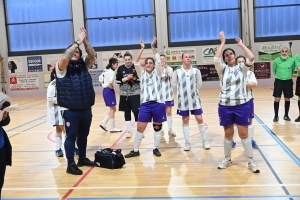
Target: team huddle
x=147, y=92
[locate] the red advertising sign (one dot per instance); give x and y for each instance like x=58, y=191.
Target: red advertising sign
x=262, y=70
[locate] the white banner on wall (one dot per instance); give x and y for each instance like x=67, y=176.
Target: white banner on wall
x=174, y=56
x=208, y=53
x=24, y=82
x=51, y=61
x=15, y=65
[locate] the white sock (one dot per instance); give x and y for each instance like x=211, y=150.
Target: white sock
x=251, y=131
x=128, y=125
x=137, y=141
x=235, y=132
x=112, y=123
x=157, y=137
x=227, y=147
x=58, y=140
x=170, y=122
x=105, y=120
x=248, y=146
x=186, y=133
x=202, y=131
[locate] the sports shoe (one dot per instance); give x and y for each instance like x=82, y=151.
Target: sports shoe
x=286, y=118
x=187, y=146
x=298, y=119
x=156, y=152
x=206, y=145
x=73, y=169
x=76, y=152
x=103, y=127
x=114, y=130
x=233, y=144
x=252, y=166
x=226, y=162
x=132, y=154
x=276, y=119
x=59, y=153
x=254, y=145
x=171, y=133
x=129, y=134
x=85, y=162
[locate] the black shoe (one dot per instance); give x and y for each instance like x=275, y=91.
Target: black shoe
x=73, y=169
x=85, y=162
x=286, y=118
x=132, y=154
x=298, y=119
x=156, y=152
x=276, y=119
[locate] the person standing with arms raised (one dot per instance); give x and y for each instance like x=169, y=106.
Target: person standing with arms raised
x=76, y=96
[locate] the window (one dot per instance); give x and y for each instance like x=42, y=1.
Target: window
x=276, y=20
x=119, y=24
x=193, y=22
x=37, y=26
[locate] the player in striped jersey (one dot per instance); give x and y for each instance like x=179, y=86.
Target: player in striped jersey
x=152, y=101
x=233, y=105
x=250, y=83
x=167, y=91
x=188, y=80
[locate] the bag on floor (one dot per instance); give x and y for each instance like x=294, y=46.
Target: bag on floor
x=110, y=159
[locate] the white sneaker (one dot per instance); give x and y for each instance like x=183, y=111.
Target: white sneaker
x=206, y=145
x=225, y=163
x=187, y=146
x=114, y=130
x=129, y=134
x=103, y=127
x=252, y=166
x=171, y=133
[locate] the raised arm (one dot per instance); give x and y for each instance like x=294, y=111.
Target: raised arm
x=137, y=65
x=221, y=47
x=247, y=51
x=90, y=59
x=64, y=60
x=217, y=58
x=158, y=67
x=138, y=56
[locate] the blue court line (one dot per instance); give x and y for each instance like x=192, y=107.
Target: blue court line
x=25, y=124
x=171, y=197
x=26, y=130
x=279, y=142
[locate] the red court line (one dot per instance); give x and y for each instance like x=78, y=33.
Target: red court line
x=48, y=136
x=89, y=171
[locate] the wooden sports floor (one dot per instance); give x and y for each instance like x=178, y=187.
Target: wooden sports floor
x=38, y=174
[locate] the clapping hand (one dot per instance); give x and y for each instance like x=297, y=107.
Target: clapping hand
x=239, y=41
x=81, y=35
x=222, y=37
x=142, y=43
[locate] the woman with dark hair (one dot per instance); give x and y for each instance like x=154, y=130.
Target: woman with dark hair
x=153, y=103
x=129, y=90
x=250, y=83
x=109, y=95
x=233, y=105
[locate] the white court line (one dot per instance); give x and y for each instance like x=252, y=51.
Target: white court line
x=155, y=187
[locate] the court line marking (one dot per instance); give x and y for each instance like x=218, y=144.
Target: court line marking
x=280, y=143
x=87, y=173
x=154, y=187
